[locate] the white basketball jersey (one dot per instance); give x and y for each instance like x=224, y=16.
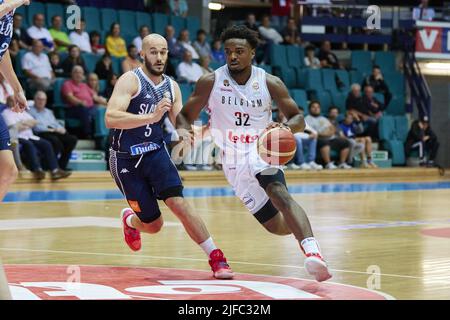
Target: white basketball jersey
x=239, y=113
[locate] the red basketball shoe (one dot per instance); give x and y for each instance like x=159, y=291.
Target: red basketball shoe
x=317, y=267
x=219, y=265
x=131, y=235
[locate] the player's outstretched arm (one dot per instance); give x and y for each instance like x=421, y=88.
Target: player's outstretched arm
x=117, y=117
x=197, y=101
x=10, y=5
x=285, y=103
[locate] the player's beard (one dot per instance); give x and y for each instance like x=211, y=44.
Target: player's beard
x=149, y=67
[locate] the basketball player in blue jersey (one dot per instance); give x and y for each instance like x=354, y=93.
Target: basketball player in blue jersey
x=8, y=169
x=238, y=97
x=139, y=161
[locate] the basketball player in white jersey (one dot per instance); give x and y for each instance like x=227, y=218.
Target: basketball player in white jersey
x=8, y=169
x=139, y=161
x=238, y=98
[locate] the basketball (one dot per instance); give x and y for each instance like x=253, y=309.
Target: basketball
x=277, y=146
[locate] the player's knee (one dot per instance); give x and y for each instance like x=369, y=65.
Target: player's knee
x=153, y=227
x=279, y=196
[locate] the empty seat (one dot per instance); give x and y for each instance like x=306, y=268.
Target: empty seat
x=92, y=17
x=339, y=99
x=362, y=61
x=57, y=96
x=356, y=76
x=344, y=77
x=127, y=20
x=325, y=100
x=108, y=17
x=386, y=128
x=401, y=127
x=179, y=23
x=386, y=61
x=143, y=19
x=266, y=67
x=278, y=56
x=295, y=56
x=90, y=60
x=288, y=76
x=33, y=9
x=186, y=90
x=312, y=80
x=397, y=106
x=329, y=80
x=300, y=98
x=160, y=21
x=193, y=25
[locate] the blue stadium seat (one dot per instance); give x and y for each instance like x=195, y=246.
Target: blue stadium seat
x=92, y=17
x=312, y=80
x=329, y=80
x=129, y=38
x=356, y=76
x=379, y=97
x=160, y=21
x=193, y=25
x=288, y=76
x=325, y=101
x=266, y=67
x=186, y=90
x=386, y=128
x=127, y=20
x=397, y=106
x=108, y=17
x=215, y=65
x=278, y=56
x=392, y=132
x=362, y=61
x=100, y=127
x=401, y=127
x=179, y=23
x=339, y=100
x=344, y=76
x=143, y=19
x=386, y=61
x=102, y=85
x=54, y=9
x=396, y=83
x=90, y=60
x=396, y=149
x=300, y=98
x=117, y=65
x=57, y=97
x=295, y=56
x=35, y=8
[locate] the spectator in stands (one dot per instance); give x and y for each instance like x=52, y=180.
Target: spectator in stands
x=20, y=33
x=111, y=82
x=178, y=7
x=188, y=71
x=311, y=60
x=371, y=103
x=96, y=46
x=362, y=145
x=354, y=98
x=201, y=45
x=268, y=33
x=327, y=138
x=80, y=38
x=81, y=101
x=60, y=38
x=132, y=60
x=94, y=83
x=73, y=59
x=423, y=12
x=422, y=137
x=281, y=10
x=36, y=152
x=204, y=64
x=50, y=129
x=13, y=51
x=104, y=68
x=37, y=68
x=115, y=44
x=38, y=32
x=183, y=40
x=327, y=58
x=176, y=50
x=217, y=53
x=143, y=32
x=250, y=22
x=290, y=33
x=55, y=62
x=379, y=85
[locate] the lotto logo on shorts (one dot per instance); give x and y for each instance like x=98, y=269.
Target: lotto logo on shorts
x=134, y=206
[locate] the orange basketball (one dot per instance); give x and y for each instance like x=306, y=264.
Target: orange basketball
x=277, y=146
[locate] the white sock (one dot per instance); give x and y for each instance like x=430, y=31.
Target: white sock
x=128, y=221
x=310, y=245
x=208, y=246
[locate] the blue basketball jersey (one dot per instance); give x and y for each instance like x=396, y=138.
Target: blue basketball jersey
x=147, y=138
x=6, y=31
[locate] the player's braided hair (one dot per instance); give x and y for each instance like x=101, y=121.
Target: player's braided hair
x=240, y=32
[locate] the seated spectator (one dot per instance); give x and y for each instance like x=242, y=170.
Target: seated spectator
x=94, y=83
x=379, y=85
x=250, y=22
x=354, y=98
x=327, y=138
x=204, y=64
x=50, y=129
x=104, y=68
x=327, y=58
x=422, y=137
x=81, y=101
x=115, y=44
x=370, y=103
x=361, y=144
x=178, y=8
x=73, y=59
x=311, y=60
x=20, y=33
x=217, y=52
x=132, y=60
x=111, y=82
x=201, y=45
x=56, y=64
x=38, y=32
x=290, y=33
x=268, y=33
x=188, y=71
x=80, y=38
x=423, y=12
x=37, y=68
x=143, y=32
x=60, y=38
x=37, y=153
x=96, y=46
x=176, y=50
x=183, y=40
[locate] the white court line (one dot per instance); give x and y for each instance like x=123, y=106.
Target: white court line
x=199, y=260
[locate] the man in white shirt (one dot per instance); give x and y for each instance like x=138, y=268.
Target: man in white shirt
x=423, y=12
x=183, y=40
x=143, y=32
x=188, y=71
x=80, y=38
x=268, y=33
x=37, y=68
x=38, y=32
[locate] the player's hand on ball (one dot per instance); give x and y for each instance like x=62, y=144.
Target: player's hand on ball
x=277, y=125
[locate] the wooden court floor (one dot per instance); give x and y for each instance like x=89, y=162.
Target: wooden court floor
x=397, y=240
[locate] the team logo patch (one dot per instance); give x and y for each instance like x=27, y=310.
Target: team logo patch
x=249, y=201
x=61, y=282
x=255, y=85
x=134, y=206
x=226, y=83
